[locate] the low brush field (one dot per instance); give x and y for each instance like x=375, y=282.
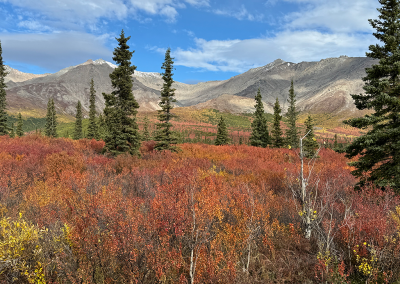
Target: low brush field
x=207, y=214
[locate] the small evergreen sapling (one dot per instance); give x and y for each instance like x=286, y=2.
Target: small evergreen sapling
x=78, y=132
x=51, y=120
x=277, y=135
x=222, y=133
x=92, y=131
x=12, y=132
x=146, y=133
x=310, y=142
x=20, y=125
x=292, y=135
x=259, y=129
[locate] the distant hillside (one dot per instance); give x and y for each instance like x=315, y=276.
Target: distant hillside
x=321, y=87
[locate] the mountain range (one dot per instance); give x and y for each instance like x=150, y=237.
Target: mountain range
x=321, y=87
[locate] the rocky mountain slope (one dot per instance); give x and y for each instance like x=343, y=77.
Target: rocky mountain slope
x=322, y=87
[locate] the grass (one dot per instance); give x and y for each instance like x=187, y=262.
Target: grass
x=195, y=122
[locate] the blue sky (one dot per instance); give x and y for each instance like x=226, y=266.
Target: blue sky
x=210, y=39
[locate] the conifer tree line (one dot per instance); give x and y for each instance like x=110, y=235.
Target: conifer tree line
x=260, y=136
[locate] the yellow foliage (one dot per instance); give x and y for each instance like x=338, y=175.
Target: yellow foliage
x=396, y=218
x=20, y=250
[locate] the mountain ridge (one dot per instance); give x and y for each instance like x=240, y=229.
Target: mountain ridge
x=321, y=86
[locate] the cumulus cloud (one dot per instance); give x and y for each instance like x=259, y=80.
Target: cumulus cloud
x=320, y=29
x=54, y=51
x=241, y=55
x=166, y=8
x=335, y=16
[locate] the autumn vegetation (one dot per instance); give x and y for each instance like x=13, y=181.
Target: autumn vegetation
x=122, y=208
x=206, y=214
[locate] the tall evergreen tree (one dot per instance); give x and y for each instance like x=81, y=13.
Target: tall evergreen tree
x=3, y=104
x=164, y=135
x=20, y=125
x=277, y=135
x=146, y=133
x=379, y=149
x=292, y=135
x=222, y=133
x=92, y=131
x=78, y=131
x=310, y=142
x=51, y=120
x=121, y=107
x=259, y=129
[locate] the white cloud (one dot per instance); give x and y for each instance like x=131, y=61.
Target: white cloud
x=54, y=51
x=166, y=8
x=241, y=14
x=320, y=29
x=241, y=55
x=87, y=11
x=34, y=26
x=156, y=49
x=198, y=2
x=336, y=16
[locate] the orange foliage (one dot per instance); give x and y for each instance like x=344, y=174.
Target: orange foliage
x=206, y=214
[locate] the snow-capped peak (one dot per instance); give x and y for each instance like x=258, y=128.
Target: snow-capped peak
x=147, y=74
x=101, y=61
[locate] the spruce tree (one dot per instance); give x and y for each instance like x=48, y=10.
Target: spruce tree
x=379, y=149
x=164, y=135
x=92, y=131
x=310, y=144
x=277, y=135
x=78, y=131
x=222, y=133
x=259, y=130
x=122, y=135
x=146, y=133
x=292, y=135
x=12, y=132
x=335, y=142
x=20, y=125
x=51, y=120
x=3, y=104
x=102, y=128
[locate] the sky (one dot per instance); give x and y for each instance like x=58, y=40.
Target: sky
x=209, y=39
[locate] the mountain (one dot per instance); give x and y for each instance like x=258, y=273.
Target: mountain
x=18, y=76
x=321, y=87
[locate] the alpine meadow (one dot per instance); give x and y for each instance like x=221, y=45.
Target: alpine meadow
x=278, y=174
